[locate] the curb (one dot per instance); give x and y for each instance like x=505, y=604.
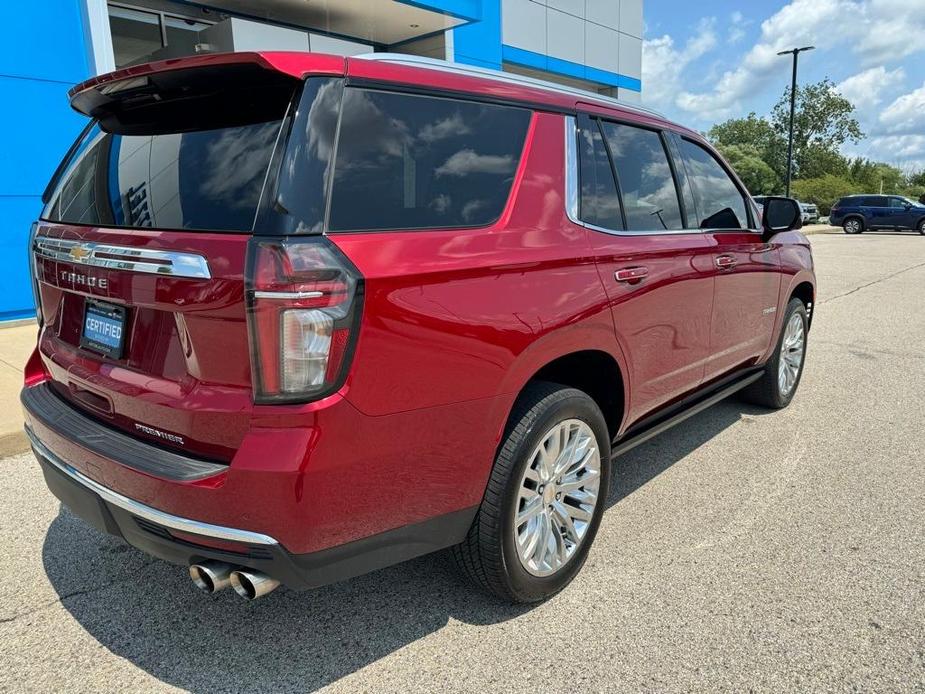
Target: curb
x=13, y=444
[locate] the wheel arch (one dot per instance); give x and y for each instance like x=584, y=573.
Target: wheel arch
x=594, y=372
x=855, y=215
x=805, y=292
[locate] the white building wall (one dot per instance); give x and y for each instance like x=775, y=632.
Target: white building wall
x=604, y=34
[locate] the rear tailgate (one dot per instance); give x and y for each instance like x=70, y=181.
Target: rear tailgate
x=182, y=377
x=140, y=257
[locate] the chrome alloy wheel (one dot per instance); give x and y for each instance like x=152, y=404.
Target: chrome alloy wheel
x=852, y=226
x=557, y=496
x=791, y=354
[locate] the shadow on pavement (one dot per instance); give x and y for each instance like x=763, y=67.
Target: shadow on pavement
x=149, y=612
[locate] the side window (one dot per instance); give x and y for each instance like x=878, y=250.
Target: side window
x=878, y=201
x=647, y=187
x=720, y=203
x=598, y=201
x=416, y=162
x=897, y=203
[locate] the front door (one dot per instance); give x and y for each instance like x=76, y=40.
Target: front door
x=901, y=213
x=746, y=268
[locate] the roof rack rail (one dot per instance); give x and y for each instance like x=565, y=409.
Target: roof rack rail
x=510, y=78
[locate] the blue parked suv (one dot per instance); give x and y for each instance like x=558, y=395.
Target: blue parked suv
x=858, y=213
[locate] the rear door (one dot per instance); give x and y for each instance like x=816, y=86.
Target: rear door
x=140, y=254
x=746, y=268
x=657, y=273
x=877, y=211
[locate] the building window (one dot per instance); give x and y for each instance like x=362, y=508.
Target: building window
x=135, y=34
x=140, y=35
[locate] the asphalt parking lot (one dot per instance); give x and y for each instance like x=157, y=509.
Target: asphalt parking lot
x=742, y=550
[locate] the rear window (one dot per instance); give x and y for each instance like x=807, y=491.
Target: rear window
x=412, y=162
x=208, y=180
x=172, y=166
x=599, y=203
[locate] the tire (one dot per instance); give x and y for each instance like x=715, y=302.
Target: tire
x=921, y=227
x=769, y=391
x=853, y=225
x=489, y=555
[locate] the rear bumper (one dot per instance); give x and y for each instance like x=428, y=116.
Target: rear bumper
x=266, y=510
x=174, y=538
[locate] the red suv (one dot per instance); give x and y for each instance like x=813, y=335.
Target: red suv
x=305, y=316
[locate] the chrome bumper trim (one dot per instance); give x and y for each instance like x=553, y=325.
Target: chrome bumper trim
x=149, y=513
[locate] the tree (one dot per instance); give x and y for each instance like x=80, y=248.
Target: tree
x=822, y=123
x=816, y=161
x=823, y=191
x=755, y=133
x=870, y=176
x=917, y=179
x=755, y=173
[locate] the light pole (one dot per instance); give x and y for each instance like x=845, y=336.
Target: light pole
x=795, y=52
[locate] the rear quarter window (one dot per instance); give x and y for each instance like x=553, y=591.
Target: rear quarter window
x=408, y=161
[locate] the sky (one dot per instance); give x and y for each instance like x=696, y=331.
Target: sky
x=708, y=60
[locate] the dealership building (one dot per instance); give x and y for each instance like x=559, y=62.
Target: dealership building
x=49, y=46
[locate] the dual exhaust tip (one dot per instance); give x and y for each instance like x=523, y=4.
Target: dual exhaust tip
x=213, y=576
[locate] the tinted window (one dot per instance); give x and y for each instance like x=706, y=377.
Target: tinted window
x=647, y=187
x=897, y=202
x=299, y=197
x=720, y=204
x=598, y=202
x=875, y=201
x=411, y=162
x=205, y=179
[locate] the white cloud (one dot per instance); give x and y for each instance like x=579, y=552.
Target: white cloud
x=865, y=89
x=904, y=151
x=884, y=29
x=796, y=24
x=737, y=25
x=875, y=35
x=467, y=161
x=906, y=115
x=876, y=31
x=663, y=62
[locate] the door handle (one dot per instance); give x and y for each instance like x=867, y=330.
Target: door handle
x=631, y=274
x=725, y=262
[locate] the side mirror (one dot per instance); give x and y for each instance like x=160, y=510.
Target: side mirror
x=907, y=205
x=781, y=214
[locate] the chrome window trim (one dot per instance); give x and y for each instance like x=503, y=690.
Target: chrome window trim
x=572, y=192
x=146, y=260
x=136, y=508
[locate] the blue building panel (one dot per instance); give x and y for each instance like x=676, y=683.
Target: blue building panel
x=17, y=214
x=479, y=43
x=538, y=61
x=43, y=126
x=42, y=55
x=43, y=40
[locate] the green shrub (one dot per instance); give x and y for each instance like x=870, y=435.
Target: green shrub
x=824, y=191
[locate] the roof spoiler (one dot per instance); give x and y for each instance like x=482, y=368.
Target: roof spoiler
x=131, y=91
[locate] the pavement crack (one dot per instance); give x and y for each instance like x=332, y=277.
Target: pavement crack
x=869, y=284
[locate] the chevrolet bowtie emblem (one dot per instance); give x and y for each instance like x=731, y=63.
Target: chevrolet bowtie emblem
x=78, y=253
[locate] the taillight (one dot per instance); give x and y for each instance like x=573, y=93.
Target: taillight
x=303, y=308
